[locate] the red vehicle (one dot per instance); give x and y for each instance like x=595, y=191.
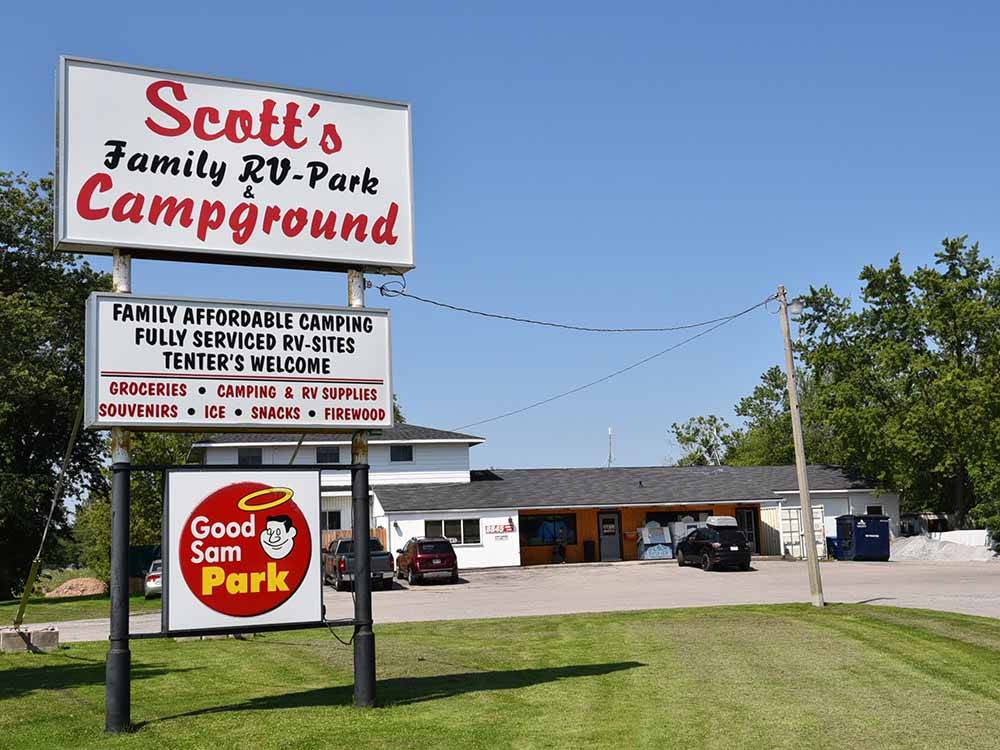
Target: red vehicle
x=426, y=558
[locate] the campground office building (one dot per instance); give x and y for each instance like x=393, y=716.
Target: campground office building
x=422, y=485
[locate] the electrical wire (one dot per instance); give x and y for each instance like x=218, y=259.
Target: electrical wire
x=386, y=291
x=650, y=358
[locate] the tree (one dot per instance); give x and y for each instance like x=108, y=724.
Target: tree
x=93, y=518
x=766, y=436
x=397, y=411
x=910, y=382
x=42, y=296
x=705, y=440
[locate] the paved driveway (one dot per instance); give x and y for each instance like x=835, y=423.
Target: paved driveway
x=970, y=588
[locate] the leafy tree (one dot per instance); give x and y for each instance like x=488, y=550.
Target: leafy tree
x=705, y=440
x=93, y=518
x=766, y=436
x=42, y=296
x=910, y=382
x=397, y=411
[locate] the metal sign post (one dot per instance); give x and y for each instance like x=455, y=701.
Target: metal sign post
x=364, y=638
x=118, y=685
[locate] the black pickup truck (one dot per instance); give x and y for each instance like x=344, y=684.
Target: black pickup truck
x=338, y=564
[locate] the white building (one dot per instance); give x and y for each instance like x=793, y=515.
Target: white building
x=422, y=485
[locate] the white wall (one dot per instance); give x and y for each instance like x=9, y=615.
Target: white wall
x=433, y=463
x=848, y=503
x=495, y=550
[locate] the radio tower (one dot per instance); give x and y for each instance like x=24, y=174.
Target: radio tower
x=611, y=448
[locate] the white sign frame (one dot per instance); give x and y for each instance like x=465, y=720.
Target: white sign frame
x=182, y=611
x=184, y=423
x=261, y=250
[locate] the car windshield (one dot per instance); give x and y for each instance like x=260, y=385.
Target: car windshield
x=346, y=548
x=732, y=536
x=435, y=548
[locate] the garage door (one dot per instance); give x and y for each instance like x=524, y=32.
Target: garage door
x=791, y=532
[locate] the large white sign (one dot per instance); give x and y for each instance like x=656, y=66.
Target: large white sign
x=156, y=363
x=184, y=166
x=242, y=549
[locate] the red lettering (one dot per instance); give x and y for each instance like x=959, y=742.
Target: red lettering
x=101, y=182
x=128, y=207
x=331, y=142
x=294, y=221
x=242, y=221
x=271, y=215
x=382, y=231
x=324, y=225
x=358, y=223
x=171, y=207
x=210, y=114
x=211, y=216
x=154, y=98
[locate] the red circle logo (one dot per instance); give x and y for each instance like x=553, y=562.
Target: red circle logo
x=245, y=549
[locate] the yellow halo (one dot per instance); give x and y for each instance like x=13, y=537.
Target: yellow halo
x=244, y=503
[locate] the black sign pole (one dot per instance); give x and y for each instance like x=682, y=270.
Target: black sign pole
x=118, y=674
x=364, y=638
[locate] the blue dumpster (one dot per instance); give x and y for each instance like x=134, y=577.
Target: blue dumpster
x=863, y=538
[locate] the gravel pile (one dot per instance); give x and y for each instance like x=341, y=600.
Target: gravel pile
x=78, y=587
x=925, y=548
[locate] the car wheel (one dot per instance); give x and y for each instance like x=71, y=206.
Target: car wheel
x=454, y=576
x=706, y=562
x=681, y=562
x=411, y=577
x=387, y=584
x=745, y=566
x=339, y=585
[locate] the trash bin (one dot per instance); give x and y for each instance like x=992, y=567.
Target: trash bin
x=833, y=548
x=589, y=550
x=863, y=538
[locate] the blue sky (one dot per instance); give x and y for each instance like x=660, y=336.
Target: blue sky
x=620, y=164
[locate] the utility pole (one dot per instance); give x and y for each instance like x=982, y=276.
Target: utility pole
x=118, y=671
x=808, y=533
x=364, y=638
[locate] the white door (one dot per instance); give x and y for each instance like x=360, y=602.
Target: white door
x=792, y=533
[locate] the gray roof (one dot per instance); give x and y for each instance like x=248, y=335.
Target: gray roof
x=553, y=488
x=403, y=432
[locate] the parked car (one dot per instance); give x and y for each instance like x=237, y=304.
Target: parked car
x=711, y=548
x=153, y=585
x=338, y=564
x=427, y=557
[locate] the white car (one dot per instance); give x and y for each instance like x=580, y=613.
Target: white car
x=153, y=585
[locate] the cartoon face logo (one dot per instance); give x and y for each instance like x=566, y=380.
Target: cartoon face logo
x=278, y=537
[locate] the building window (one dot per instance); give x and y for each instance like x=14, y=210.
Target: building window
x=401, y=453
x=541, y=531
x=329, y=520
x=874, y=510
x=250, y=456
x=328, y=454
x=458, y=530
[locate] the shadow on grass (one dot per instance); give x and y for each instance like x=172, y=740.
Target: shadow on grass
x=20, y=681
x=401, y=691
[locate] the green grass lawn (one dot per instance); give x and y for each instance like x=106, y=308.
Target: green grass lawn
x=765, y=677
x=40, y=609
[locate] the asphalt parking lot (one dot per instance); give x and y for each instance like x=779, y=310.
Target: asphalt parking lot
x=969, y=588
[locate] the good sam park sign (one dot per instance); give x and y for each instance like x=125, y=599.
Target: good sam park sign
x=175, y=166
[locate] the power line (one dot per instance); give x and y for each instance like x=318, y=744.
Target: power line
x=386, y=291
x=650, y=358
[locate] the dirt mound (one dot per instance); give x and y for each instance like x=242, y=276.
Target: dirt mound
x=925, y=548
x=78, y=587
